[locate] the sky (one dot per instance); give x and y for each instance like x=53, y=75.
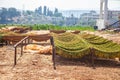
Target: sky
x=60, y=4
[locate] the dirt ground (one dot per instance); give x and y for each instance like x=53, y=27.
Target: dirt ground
x=40, y=67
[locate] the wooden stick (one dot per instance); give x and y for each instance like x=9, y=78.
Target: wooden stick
x=54, y=53
x=92, y=57
x=21, y=48
x=15, y=56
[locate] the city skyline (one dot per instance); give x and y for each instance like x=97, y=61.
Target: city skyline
x=60, y=4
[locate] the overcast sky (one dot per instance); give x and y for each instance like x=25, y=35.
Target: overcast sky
x=60, y=4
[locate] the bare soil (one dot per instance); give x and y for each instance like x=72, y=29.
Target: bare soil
x=40, y=67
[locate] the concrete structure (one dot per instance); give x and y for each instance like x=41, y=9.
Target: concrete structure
x=102, y=21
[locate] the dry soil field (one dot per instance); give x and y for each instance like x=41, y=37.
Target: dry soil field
x=40, y=67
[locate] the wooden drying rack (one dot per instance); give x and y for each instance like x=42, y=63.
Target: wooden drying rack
x=24, y=40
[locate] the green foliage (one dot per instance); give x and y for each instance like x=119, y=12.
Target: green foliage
x=75, y=46
x=54, y=27
x=50, y=27
x=2, y=25
x=69, y=45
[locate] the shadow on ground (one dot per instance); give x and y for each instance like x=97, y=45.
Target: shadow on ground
x=87, y=62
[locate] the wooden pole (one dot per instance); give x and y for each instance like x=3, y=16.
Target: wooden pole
x=53, y=52
x=92, y=57
x=28, y=40
x=21, y=48
x=15, y=56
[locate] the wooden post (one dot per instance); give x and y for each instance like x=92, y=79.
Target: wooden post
x=15, y=56
x=28, y=40
x=25, y=41
x=92, y=57
x=54, y=53
x=6, y=42
x=21, y=48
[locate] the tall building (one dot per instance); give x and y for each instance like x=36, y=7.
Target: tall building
x=45, y=10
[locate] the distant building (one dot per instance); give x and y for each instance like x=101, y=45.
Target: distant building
x=76, y=13
x=113, y=14
x=89, y=18
x=71, y=21
x=113, y=17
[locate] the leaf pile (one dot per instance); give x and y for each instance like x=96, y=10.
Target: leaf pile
x=78, y=45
